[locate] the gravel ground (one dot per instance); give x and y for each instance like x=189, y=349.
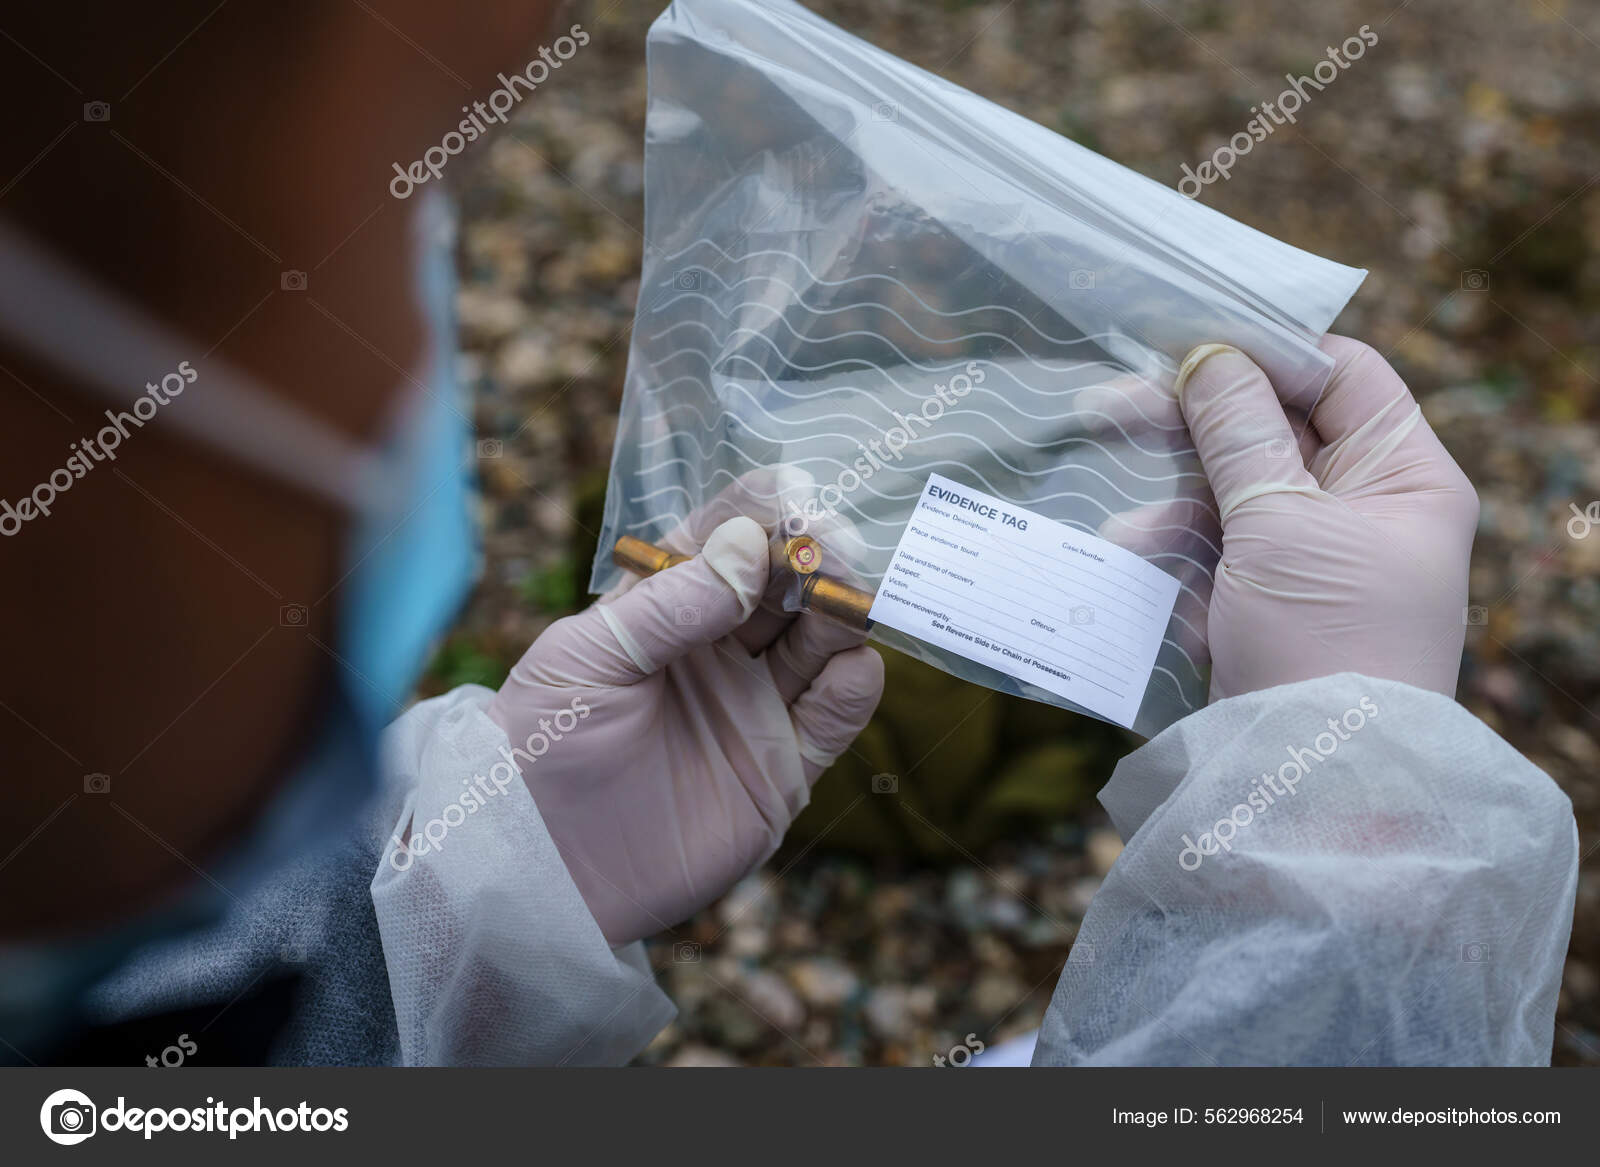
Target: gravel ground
x=1458, y=161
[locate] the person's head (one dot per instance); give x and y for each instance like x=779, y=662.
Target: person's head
x=175, y=614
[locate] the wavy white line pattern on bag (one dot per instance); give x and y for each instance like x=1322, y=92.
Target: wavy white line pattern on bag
x=719, y=385
x=992, y=366
x=820, y=282
x=885, y=374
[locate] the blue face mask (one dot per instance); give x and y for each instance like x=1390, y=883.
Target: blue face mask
x=410, y=559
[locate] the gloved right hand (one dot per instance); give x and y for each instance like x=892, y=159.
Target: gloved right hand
x=699, y=718
x=1345, y=547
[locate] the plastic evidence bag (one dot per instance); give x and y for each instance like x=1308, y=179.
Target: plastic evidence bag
x=868, y=293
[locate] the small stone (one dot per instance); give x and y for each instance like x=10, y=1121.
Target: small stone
x=732, y=1022
x=963, y=896
x=1104, y=846
x=690, y=988
x=609, y=260
x=1005, y=913
x=748, y=941
x=995, y=994
x=1009, y=880
x=887, y=904
x=888, y=1012
x=753, y=900
x=993, y=952
x=770, y=995
x=824, y=981
x=796, y=935
x=527, y=360
x=491, y=314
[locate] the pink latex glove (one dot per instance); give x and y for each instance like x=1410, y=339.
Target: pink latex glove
x=1345, y=546
x=709, y=717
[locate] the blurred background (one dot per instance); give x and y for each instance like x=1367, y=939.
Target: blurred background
x=929, y=896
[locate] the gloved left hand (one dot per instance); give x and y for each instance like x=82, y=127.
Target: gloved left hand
x=671, y=732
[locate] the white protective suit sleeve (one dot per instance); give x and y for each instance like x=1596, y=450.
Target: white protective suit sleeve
x=1407, y=900
x=493, y=956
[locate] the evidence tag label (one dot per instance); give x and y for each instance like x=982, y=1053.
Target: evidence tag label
x=1034, y=598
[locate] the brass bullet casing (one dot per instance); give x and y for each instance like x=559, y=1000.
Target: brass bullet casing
x=818, y=593
x=643, y=558
x=803, y=554
x=837, y=601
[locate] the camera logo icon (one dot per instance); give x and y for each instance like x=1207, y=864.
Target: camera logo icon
x=1280, y=449
x=292, y=281
x=491, y=448
x=67, y=1117
x=1080, y=280
x=293, y=615
x=97, y=111
x=1475, y=280
x=1081, y=615
x=885, y=784
x=97, y=783
x=686, y=952
x=1474, y=952
x=685, y=615
x=885, y=111
x=687, y=281
x=1475, y=616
